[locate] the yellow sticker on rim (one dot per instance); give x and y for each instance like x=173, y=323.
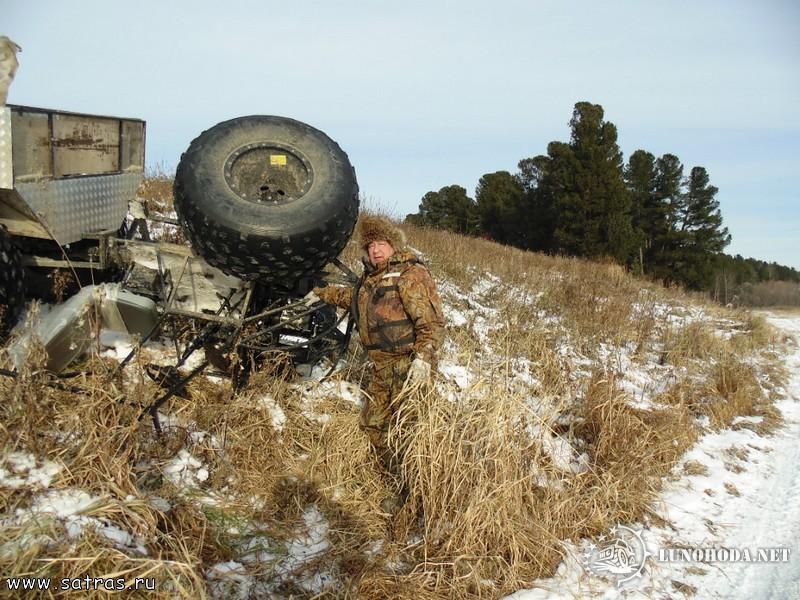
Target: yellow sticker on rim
x=277, y=159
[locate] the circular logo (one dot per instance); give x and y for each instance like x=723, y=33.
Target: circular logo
x=620, y=558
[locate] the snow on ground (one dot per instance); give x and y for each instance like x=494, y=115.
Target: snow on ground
x=310, y=542
x=230, y=580
x=290, y=561
x=274, y=409
x=313, y=392
x=185, y=470
x=740, y=491
x=23, y=470
x=69, y=507
x=641, y=382
x=456, y=373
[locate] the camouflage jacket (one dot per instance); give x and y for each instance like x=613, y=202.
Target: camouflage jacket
x=399, y=309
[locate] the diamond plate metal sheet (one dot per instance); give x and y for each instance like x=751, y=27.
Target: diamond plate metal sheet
x=6, y=168
x=77, y=206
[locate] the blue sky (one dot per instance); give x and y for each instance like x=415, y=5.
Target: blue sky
x=427, y=94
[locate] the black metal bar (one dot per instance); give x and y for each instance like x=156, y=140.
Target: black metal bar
x=166, y=220
x=308, y=342
x=346, y=270
x=273, y=311
x=260, y=332
x=342, y=347
x=52, y=384
x=225, y=302
x=215, y=318
x=209, y=330
x=196, y=343
x=141, y=343
x=153, y=408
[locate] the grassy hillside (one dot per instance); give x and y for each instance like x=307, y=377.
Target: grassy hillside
x=568, y=391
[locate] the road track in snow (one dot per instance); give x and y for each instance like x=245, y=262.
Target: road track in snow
x=778, y=523
x=769, y=515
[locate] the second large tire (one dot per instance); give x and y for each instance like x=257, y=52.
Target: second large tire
x=266, y=198
x=12, y=283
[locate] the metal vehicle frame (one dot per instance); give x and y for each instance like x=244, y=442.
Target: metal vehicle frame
x=67, y=178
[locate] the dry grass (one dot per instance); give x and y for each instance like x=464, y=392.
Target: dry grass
x=723, y=388
x=632, y=450
x=156, y=191
x=536, y=449
x=693, y=467
x=94, y=437
x=732, y=489
x=491, y=503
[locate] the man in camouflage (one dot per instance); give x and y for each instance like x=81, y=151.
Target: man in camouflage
x=399, y=318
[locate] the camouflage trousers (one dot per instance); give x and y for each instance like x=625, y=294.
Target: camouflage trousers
x=380, y=408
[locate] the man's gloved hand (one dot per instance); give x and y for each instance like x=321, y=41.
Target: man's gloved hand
x=311, y=298
x=419, y=372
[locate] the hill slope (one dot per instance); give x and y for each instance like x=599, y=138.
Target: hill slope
x=568, y=397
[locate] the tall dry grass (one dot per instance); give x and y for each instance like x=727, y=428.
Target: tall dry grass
x=93, y=435
x=540, y=446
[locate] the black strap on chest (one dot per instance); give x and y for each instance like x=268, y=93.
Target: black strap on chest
x=385, y=343
x=382, y=290
x=354, y=316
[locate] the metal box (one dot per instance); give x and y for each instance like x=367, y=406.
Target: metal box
x=65, y=175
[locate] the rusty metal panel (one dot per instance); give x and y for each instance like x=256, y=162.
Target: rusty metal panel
x=85, y=145
x=33, y=157
x=74, y=207
x=6, y=166
x=132, y=151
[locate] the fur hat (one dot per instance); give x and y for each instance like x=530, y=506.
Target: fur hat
x=372, y=228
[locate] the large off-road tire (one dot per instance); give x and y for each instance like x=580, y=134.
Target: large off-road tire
x=266, y=198
x=12, y=283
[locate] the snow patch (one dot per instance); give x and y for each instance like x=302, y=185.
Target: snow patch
x=229, y=580
x=22, y=470
x=278, y=417
x=456, y=373
x=310, y=542
x=185, y=470
x=68, y=506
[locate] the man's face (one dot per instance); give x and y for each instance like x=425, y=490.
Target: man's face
x=379, y=252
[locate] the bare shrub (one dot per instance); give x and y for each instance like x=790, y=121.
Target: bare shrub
x=770, y=293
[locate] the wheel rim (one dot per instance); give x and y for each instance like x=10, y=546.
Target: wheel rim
x=268, y=173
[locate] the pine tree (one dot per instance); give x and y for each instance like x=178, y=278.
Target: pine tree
x=499, y=199
x=592, y=204
x=449, y=208
x=572, y=214
x=540, y=218
x=702, y=231
x=640, y=177
x=667, y=211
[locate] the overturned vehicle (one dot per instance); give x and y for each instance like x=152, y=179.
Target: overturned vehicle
x=266, y=202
